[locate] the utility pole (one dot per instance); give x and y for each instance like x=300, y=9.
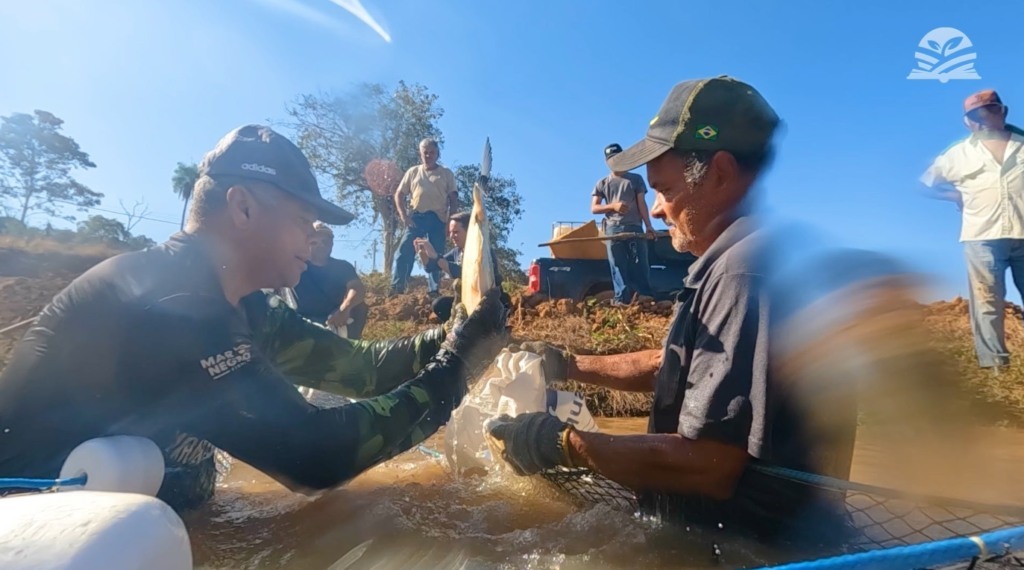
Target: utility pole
x=373, y=252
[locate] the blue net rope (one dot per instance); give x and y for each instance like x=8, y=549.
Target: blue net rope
x=991, y=547
x=41, y=484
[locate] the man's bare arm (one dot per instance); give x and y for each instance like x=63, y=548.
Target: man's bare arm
x=632, y=372
x=644, y=212
x=356, y=294
x=597, y=208
x=453, y=206
x=661, y=462
x=400, y=208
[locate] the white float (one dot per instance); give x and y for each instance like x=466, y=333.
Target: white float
x=112, y=522
x=118, y=464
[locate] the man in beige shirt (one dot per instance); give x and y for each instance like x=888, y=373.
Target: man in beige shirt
x=430, y=191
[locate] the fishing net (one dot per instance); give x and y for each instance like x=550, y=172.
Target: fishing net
x=589, y=487
x=887, y=521
x=884, y=518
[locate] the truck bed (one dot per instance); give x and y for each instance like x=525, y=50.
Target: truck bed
x=577, y=279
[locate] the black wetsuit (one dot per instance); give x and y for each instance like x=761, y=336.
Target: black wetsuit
x=146, y=344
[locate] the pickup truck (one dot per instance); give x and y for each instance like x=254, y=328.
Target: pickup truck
x=577, y=279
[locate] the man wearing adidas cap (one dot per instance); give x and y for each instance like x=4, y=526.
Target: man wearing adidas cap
x=718, y=413
x=179, y=344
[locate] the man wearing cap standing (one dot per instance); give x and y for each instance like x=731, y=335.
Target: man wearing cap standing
x=622, y=198
x=179, y=344
x=433, y=198
x=718, y=412
x=983, y=175
x=330, y=291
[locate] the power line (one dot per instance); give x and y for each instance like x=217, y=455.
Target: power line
x=122, y=213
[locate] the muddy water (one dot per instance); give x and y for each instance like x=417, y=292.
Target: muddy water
x=411, y=513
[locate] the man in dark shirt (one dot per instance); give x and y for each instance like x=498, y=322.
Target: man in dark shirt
x=330, y=291
x=451, y=262
x=718, y=412
x=622, y=198
x=179, y=344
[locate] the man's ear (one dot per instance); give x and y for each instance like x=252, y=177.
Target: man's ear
x=239, y=206
x=722, y=171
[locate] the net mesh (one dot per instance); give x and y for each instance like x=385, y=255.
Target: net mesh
x=883, y=518
x=886, y=522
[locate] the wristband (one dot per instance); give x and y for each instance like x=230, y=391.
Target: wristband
x=566, y=446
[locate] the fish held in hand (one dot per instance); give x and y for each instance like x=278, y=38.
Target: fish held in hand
x=477, y=266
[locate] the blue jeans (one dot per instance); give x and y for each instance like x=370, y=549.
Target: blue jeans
x=987, y=262
x=628, y=262
x=424, y=224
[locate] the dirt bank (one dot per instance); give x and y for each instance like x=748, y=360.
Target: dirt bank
x=30, y=275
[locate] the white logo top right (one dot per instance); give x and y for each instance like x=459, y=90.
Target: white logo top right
x=944, y=54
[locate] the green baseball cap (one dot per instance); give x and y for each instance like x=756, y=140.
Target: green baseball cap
x=719, y=113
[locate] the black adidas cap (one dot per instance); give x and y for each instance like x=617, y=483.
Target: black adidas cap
x=258, y=152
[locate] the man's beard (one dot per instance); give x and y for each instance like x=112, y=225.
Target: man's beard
x=681, y=242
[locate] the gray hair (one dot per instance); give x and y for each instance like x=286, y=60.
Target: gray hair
x=430, y=141
x=697, y=162
x=209, y=197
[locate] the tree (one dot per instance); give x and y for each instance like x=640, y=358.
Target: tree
x=135, y=214
x=99, y=228
x=504, y=207
x=110, y=231
x=342, y=134
x=36, y=161
x=139, y=242
x=182, y=182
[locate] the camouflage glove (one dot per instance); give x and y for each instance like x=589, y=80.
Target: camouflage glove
x=554, y=360
x=531, y=443
x=478, y=338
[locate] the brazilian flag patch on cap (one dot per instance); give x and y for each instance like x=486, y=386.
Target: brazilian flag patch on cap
x=706, y=132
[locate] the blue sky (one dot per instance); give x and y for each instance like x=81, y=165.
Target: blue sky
x=143, y=85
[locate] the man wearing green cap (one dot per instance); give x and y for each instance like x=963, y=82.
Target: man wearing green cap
x=179, y=344
x=718, y=412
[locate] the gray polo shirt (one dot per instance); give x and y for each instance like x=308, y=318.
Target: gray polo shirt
x=716, y=350
x=628, y=188
x=715, y=382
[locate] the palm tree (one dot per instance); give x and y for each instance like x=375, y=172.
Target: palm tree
x=182, y=182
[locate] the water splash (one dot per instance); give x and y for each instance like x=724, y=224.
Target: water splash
x=356, y=8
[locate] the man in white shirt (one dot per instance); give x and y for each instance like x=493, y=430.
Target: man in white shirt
x=984, y=175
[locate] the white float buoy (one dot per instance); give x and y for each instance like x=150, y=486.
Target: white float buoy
x=85, y=530
x=120, y=464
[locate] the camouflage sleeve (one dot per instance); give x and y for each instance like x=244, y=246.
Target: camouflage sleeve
x=310, y=355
